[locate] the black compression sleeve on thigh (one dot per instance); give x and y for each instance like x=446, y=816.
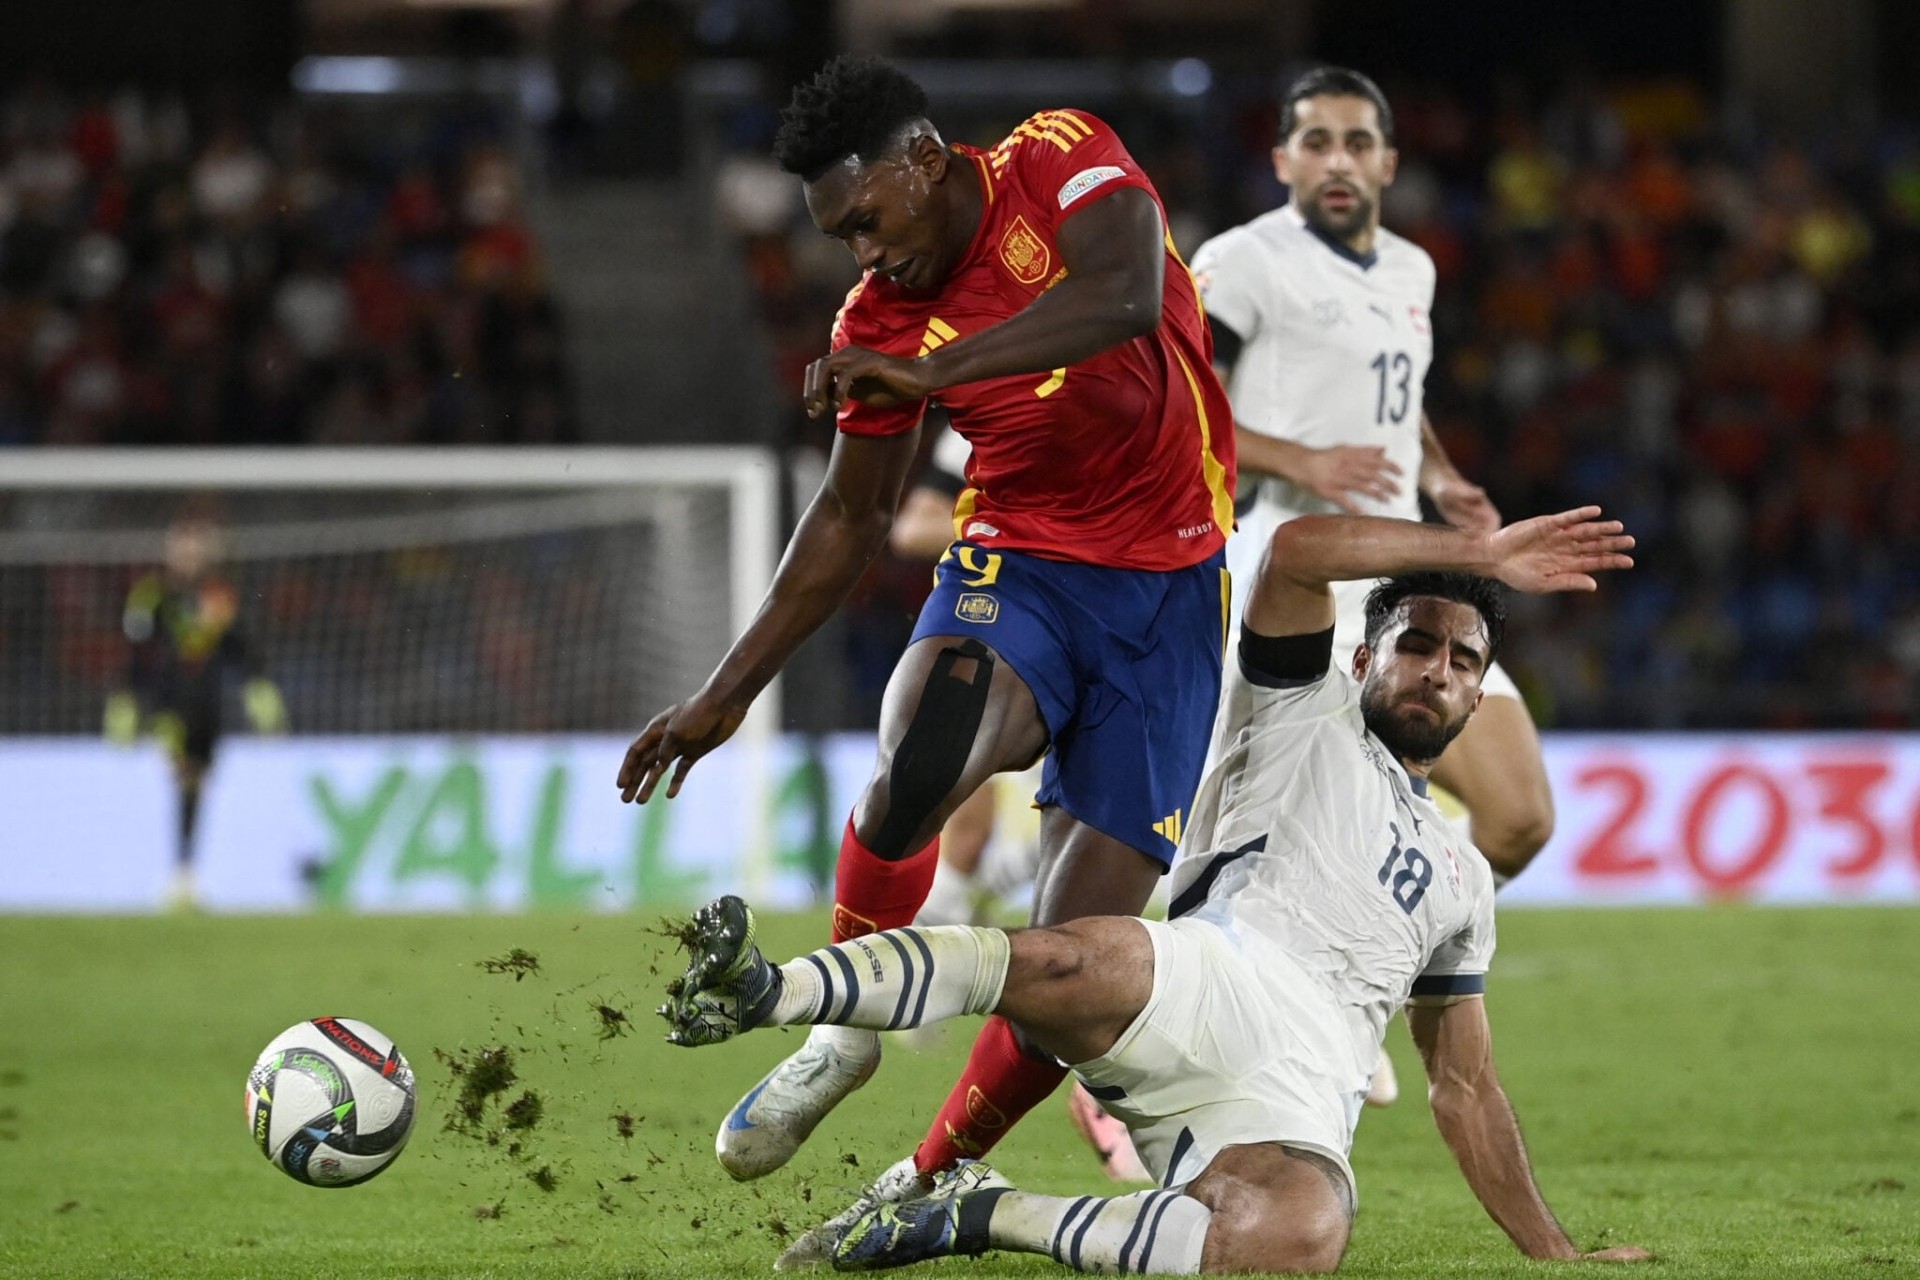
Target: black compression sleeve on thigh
x=933, y=752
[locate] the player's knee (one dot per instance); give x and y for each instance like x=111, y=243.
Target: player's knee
x=1312, y=1247
x=1072, y=990
x=1273, y=1210
x=926, y=765
x=1315, y=1240
x=1046, y=958
x=1043, y=996
x=1255, y=1230
x=1511, y=839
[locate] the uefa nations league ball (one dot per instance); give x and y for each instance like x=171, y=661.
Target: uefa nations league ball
x=330, y=1102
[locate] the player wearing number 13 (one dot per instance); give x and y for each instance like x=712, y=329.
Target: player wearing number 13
x=1321, y=315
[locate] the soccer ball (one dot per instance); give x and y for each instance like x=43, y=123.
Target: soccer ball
x=330, y=1102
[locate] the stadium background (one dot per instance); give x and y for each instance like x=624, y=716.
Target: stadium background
x=1679, y=274
x=415, y=297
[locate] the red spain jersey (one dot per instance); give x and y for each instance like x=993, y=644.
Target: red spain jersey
x=1125, y=459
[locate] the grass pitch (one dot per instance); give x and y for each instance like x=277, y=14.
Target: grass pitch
x=1734, y=1089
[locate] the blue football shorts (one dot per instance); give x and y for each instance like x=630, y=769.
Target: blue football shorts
x=1125, y=666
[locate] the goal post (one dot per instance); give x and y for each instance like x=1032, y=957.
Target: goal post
x=405, y=591
x=408, y=592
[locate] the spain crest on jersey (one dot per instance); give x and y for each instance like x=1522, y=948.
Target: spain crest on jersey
x=1025, y=254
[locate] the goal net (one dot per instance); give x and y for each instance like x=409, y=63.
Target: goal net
x=398, y=590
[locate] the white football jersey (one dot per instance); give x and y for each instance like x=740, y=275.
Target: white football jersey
x=1337, y=346
x=1310, y=832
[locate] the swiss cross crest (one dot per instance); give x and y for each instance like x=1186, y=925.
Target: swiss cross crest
x=1025, y=254
x=1418, y=314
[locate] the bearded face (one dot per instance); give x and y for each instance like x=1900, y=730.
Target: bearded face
x=1337, y=162
x=1420, y=681
x=1411, y=725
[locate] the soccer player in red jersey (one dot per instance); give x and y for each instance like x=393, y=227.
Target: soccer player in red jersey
x=1033, y=292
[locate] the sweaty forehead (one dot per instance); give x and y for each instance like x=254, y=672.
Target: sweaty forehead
x=845, y=186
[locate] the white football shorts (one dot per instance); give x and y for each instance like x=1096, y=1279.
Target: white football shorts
x=1237, y=1044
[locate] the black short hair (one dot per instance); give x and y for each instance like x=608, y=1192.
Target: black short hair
x=1484, y=594
x=1337, y=82
x=853, y=106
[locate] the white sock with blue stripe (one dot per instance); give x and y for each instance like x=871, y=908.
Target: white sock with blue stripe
x=896, y=978
x=1158, y=1233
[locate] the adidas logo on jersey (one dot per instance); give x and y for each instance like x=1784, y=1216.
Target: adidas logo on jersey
x=1169, y=827
x=939, y=333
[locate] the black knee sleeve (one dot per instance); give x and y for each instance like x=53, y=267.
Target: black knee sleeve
x=933, y=752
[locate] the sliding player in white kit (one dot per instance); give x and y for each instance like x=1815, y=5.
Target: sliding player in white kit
x=1318, y=890
x=1322, y=332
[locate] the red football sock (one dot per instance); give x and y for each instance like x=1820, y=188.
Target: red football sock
x=870, y=893
x=1000, y=1085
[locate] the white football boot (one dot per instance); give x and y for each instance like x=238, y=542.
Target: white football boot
x=770, y=1123
x=901, y=1182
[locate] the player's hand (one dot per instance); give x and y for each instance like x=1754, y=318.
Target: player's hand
x=1464, y=504
x=676, y=738
x=1345, y=470
x=1619, y=1253
x=1559, y=552
x=871, y=377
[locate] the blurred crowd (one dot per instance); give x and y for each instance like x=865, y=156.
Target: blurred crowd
x=236, y=272
x=1714, y=330
x=1645, y=300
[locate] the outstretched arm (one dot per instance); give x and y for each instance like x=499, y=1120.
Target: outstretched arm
x=843, y=529
x=1477, y=1122
x=1115, y=254
x=1548, y=553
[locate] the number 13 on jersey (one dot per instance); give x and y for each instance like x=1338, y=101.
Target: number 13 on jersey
x=1393, y=393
